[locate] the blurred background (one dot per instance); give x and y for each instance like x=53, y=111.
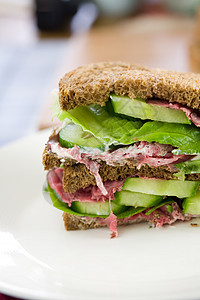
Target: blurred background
x=43, y=39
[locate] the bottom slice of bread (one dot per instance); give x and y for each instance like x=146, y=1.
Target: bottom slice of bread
x=73, y=222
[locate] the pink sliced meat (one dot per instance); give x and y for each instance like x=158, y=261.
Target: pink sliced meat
x=153, y=154
x=54, y=178
x=191, y=114
x=93, y=166
x=161, y=215
x=76, y=154
x=158, y=218
x=159, y=161
x=111, y=222
x=111, y=187
x=90, y=194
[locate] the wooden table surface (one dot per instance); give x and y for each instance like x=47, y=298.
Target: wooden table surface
x=31, y=64
x=152, y=40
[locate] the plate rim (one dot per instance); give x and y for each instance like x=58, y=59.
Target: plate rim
x=24, y=293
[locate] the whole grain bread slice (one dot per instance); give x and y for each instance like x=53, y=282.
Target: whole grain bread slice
x=93, y=83
x=72, y=222
x=76, y=175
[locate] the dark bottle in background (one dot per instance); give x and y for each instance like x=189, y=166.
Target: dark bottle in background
x=52, y=15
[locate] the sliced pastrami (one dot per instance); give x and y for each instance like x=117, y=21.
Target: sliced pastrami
x=89, y=194
x=169, y=160
x=76, y=154
x=191, y=114
x=152, y=154
x=161, y=216
x=158, y=218
x=111, y=222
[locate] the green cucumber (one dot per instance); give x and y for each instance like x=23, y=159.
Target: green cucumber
x=180, y=189
x=191, y=205
x=137, y=199
x=97, y=208
x=73, y=134
x=138, y=108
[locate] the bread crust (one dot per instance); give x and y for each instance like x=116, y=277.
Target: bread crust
x=72, y=222
x=93, y=83
x=78, y=176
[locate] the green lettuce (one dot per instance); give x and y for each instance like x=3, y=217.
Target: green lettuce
x=131, y=211
x=111, y=128
x=102, y=122
x=185, y=137
x=115, y=130
x=189, y=167
x=59, y=204
x=108, y=128
x=166, y=202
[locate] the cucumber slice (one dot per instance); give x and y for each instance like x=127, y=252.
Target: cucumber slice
x=191, y=205
x=73, y=134
x=137, y=199
x=98, y=208
x=138, y=108
x=180, y=189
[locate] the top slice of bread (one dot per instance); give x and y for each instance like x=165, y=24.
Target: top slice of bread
x=93, y=83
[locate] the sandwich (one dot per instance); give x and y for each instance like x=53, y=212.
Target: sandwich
x=128, y=148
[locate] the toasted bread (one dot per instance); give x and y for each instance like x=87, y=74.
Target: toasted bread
x=93, y=83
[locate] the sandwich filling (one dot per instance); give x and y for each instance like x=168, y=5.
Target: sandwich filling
x=128, y=133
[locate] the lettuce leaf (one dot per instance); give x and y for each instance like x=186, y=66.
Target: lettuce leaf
x=102, y=122
x=189, y=167
x=168, y=201
x=131, y=211
x=59, y=204
x=185, y=137
x=115, y=130
x=110, y=128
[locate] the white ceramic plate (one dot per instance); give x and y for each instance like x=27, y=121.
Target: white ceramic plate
x=40, y=260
